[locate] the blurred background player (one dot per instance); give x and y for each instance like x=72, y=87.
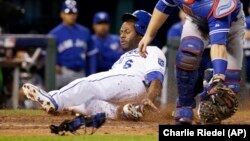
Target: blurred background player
x=108, y=45
x=75, y=50
x=247, y=50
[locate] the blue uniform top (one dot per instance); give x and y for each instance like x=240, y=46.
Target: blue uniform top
x=109, y=51
x=217, y=18
x=247, y=52
x=248, y=22
x=74, y=45
x=175, y=31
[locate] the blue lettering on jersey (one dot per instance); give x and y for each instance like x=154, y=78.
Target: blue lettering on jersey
x=128, y=64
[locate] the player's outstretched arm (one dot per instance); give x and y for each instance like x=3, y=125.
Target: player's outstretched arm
x=154, y=89
x=158, y=18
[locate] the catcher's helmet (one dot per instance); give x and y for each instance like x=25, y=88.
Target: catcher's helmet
x=142, y=19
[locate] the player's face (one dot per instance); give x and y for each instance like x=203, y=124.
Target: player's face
x=128, y=37
x=101, y=29
x=69, y=18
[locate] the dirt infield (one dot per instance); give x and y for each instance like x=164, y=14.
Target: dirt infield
x=36, y=122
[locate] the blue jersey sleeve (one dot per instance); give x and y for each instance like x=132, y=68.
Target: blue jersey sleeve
x=165, y=6
x=91, y=57
x=248, y=23
x=92, y=49
x=219, y=29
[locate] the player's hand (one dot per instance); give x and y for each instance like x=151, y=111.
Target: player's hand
x=148, y=102
x=143, y=45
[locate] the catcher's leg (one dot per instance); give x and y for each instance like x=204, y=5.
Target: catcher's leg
x=187, y=63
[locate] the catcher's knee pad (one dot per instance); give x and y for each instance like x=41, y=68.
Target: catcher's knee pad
x=184, y=115
x=189, y=53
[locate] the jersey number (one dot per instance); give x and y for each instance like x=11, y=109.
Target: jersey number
x=128, y=64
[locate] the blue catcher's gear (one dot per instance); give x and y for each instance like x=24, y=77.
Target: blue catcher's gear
x=189, y=53
x=187, y=62
x=183, y=115
x=142, y=20
x=95, y=121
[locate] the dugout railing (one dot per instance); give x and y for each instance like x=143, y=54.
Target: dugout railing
x=25, y=41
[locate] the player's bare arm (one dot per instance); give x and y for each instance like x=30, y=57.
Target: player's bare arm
x=158, y=18
x=154, y=89
x=247, y=34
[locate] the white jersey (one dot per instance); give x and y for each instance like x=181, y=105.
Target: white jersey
x=98, y=92
x=132, y=63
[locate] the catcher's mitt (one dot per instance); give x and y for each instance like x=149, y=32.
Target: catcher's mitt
x=221, y=103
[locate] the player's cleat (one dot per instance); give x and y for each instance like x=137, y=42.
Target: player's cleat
x=183, y=116
x=132, y=112
x=43, y=98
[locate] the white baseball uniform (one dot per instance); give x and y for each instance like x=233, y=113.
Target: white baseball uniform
x=124, y=82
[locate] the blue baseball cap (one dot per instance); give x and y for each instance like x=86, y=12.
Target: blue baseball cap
x=101, y=17
x=69, y=6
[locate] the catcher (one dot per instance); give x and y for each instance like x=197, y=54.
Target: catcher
x=216, y=22
x=131, y=77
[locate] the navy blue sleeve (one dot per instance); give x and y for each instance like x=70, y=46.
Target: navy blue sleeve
x=165, y=6
x=91, y=65
x=219, y=29
x=91, y=57
x=248, y=23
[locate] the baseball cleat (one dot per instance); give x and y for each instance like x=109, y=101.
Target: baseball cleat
x=43, y=98
x=132, y=112
x=183, y=116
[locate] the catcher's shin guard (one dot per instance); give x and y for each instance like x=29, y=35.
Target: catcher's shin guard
x=43, y=98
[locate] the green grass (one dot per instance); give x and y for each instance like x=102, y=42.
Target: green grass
x=81, y=138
